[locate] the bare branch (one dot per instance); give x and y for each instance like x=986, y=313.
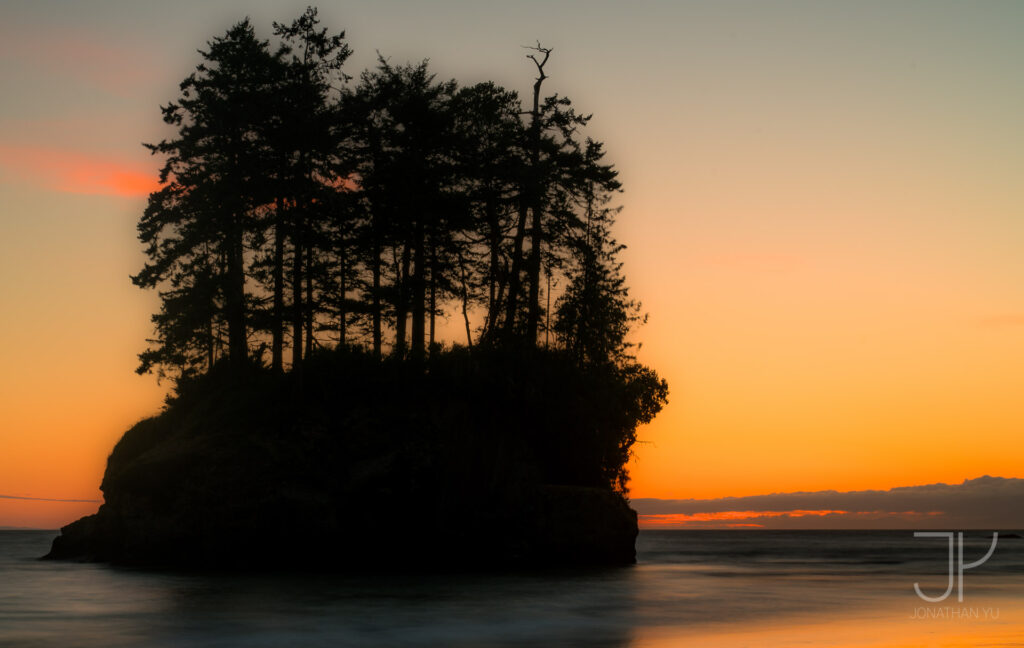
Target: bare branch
x=546, y=51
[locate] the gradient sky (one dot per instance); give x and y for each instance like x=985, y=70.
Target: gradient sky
x=823, y=205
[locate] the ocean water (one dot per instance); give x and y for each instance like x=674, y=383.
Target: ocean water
x=699, y=588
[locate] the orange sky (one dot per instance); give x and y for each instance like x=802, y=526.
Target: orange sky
x=822, y=207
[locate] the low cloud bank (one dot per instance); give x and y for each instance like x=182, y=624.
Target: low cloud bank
x=982, y=503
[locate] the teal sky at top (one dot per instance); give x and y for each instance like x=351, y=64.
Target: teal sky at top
x=641, y=60
x=668, y=81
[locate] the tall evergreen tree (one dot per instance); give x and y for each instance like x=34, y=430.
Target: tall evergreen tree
x=490, y=133
x=307, y=145
x=595, y=313
x=406, y=175
x=296, y=210
x=196, y=228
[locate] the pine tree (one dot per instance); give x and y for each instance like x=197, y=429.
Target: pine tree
x=489, y=132
x=197, y=227
x=595, y=313
x=307, y=146
x=406, y=175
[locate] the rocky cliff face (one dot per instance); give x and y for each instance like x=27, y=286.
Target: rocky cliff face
x=235, y=479
x=557, y=526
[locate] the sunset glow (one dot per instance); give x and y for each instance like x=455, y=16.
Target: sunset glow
x=78, y=173
x=748, y=519
x=824, y=225
x=682, y=519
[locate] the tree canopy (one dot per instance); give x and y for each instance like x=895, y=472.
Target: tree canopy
x=303, y=208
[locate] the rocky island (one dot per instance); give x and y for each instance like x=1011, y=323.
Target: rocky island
x=310, y=238
x=485, y=462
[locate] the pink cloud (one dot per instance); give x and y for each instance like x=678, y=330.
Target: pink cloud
x=75, y=172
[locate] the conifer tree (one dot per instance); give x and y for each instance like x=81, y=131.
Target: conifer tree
x=197, y=227
x=307, y=146
x=595, y=313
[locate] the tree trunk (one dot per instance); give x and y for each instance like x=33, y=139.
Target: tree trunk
x=308, y=310
x=238, y=345
x=211, y=356
x=533, y=310
x=297, y=244
x=536, y=203
x=402, y=301
x=515, y=280
x=465, y=302
x=494, y=236
x=418, y=294
x=547, y=323
x=342, y=302
x=433, y=296
x=375, y=262
x=277, y=320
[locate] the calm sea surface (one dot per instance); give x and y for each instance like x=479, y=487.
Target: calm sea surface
x=699, y=588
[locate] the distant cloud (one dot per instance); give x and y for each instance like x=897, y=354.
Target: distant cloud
x=982, y=503
x=48, y=499
x=73, y=172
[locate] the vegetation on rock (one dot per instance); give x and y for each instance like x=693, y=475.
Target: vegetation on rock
x=309, y=234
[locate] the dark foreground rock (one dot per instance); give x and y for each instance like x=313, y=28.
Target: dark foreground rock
x=252, y=477
x=556, y=526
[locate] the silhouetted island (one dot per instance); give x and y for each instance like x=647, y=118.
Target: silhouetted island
x=486, y=459
x=307, y=237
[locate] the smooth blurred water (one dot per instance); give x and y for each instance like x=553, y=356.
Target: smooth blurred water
x=691, y=584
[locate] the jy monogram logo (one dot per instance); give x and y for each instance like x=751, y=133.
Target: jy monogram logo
x=959, y=563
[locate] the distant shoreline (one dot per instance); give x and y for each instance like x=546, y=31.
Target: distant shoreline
x=14, y=528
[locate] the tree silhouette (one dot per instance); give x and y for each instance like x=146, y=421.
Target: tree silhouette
x=368, y=210
x=196, y=228
x=307, y=147
x=407, y=175
x=490, y=134
x=595, y=313
x=299, y=213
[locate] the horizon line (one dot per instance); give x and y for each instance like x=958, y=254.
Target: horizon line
x=51, y=499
